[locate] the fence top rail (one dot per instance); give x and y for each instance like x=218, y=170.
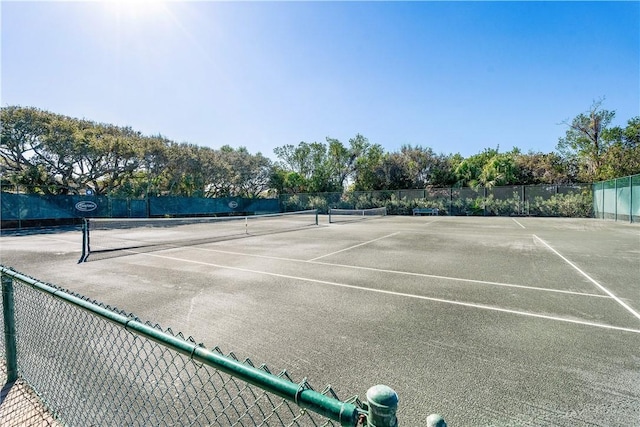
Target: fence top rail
x=347, y=414
x=630, y=177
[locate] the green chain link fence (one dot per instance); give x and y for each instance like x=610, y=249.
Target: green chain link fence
x=90, y=364
x=28, y=209
x=518, y=200
x=577, y=200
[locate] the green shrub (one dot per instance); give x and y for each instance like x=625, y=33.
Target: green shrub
x=575, y=205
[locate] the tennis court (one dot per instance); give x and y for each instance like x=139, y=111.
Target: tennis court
x=487, y=321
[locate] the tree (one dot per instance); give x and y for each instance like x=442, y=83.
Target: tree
x=622, y=156
x=150, y=177
x=469, y=171
x=250, y=173
x=393, y=173
x=22, y=133
x=107, y=157
x=320, y=167
x=55, y=154
x=418, y=163
x=539, y=168
x=184, y=172
x=584, y=140
x=498, y=170
x=366, y=163
x=443, y=171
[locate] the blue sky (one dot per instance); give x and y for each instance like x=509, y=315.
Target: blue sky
x=458, y=77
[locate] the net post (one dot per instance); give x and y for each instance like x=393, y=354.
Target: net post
x=85, y=241
x=8, y=313
x=317, y=217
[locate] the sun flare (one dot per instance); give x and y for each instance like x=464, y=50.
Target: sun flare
x=137, y=11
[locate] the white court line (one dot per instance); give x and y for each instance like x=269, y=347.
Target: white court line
x=401, y=294
x=380, y=270
x=356, y=246
x=459, y=279
x=404, y=273
x=605, y=290
x=518, y=222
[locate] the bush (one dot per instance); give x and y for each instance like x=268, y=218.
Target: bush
x=575, y=205
x=503, y=207
x=319, y=203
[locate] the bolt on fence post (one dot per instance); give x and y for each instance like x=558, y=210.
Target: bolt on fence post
x=382, y=404
x=8, y=310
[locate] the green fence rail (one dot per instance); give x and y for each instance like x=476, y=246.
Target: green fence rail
x=617, y=199
x=91, y=364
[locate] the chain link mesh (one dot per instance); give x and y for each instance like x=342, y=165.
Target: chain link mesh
x=536, y=200
x=92, y=372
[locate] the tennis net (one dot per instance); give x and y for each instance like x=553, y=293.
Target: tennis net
x=344, y=215
x=134, y=235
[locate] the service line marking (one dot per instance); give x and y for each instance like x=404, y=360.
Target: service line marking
x=605, y=290
x=404, y=273
x=518, y=222
x=401, y=294
x=355, y=246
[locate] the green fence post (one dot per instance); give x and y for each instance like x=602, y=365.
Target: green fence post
x=435, y=420
x=631, y=199
x=484, y=201
x=8, y=312
x=19, y=206
x=615, y=210
x=382, y=404
x=603, y=199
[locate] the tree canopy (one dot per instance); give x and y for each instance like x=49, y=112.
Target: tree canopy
x=49, y=153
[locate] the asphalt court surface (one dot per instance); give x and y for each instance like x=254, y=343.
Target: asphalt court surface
x=487, y=321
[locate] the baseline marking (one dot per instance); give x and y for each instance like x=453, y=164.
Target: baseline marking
x=401, y=294
x=605, y=290
x=356, y=246
x=518, y=222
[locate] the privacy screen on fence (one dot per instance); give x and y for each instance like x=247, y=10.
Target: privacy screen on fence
x=30, y=207
x=617, y=199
